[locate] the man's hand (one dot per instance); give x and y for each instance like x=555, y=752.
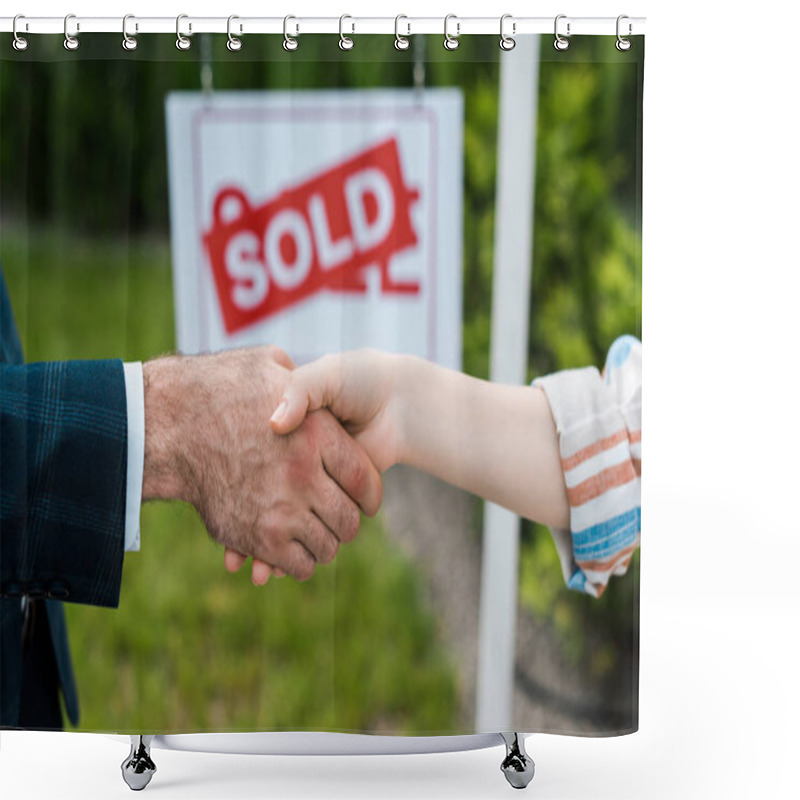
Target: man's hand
x=285, y=500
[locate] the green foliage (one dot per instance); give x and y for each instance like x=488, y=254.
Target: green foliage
x=586, y=280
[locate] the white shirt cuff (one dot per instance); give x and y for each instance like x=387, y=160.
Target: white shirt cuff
x=134, y=393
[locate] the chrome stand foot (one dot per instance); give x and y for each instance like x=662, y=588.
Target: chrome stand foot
x=138, y=768
x=518, y=766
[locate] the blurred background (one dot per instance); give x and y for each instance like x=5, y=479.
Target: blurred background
x=384, y=639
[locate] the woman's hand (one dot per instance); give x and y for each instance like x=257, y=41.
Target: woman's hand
x=360, y=388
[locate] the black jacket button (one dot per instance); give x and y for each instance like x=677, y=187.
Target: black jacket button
x=57, y=590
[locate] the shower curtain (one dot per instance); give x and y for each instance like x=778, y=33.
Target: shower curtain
x=324, y=201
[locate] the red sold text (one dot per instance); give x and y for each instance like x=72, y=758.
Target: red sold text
x=318, y=235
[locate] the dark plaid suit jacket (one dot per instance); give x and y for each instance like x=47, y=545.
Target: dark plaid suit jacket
x=63, y=469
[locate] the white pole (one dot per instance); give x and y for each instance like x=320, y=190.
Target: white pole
x=516, y=163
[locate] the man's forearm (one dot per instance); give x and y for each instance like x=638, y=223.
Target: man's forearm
x=167, y=406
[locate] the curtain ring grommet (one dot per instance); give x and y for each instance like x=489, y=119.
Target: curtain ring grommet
x=345, y=42
x=507, y=42
x=401, y=42
x=451, y=42
x=560, y=42
x=20, y=43
x=70, y=42
x=128, y=42
x=233, y=44
x=182, y=42
x=622, y=43
x=289, y=42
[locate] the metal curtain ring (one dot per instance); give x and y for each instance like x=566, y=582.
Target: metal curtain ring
x=70, y=42
x=561, y=43
x=345, y=42
x=128, y=42
x=507, y=42
x=623, y=44
x=182, y=43
x=289, y=43
x=233, y=44
x=400, y=42
x=20, y=42
x=451, y=42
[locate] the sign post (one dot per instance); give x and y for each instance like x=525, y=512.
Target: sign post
x=516, y=164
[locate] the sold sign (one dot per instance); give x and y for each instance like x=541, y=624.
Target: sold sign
x=319, y=235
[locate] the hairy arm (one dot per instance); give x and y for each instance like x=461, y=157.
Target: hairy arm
x=287, y=500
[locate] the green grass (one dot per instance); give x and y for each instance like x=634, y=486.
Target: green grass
x=192, y=648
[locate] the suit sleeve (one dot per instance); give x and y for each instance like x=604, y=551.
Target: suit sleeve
x=63, y=465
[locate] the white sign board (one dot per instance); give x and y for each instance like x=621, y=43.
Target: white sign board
x=319, y=221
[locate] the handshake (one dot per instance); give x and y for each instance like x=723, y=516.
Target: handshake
x=288, y=499
x=280, y=461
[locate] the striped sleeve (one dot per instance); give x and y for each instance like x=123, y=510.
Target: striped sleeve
x=599, y=425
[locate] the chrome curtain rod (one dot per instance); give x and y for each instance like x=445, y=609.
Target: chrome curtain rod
x=299, y=25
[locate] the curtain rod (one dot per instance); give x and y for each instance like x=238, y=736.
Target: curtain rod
x=298, y=25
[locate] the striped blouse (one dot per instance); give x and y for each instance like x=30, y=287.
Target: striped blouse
x=599, y=424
